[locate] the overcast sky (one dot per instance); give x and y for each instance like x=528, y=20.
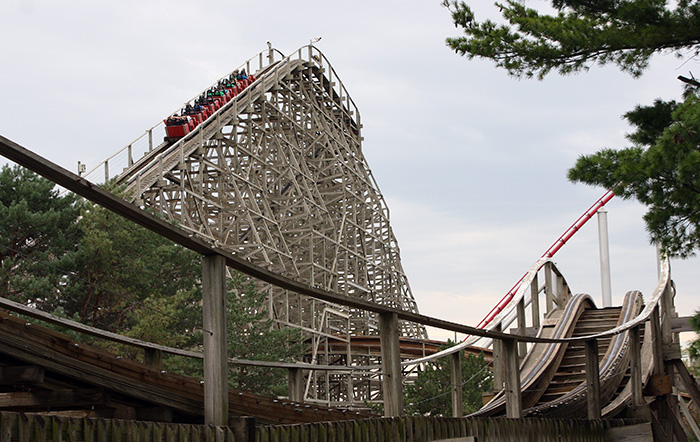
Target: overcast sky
x=472, y=163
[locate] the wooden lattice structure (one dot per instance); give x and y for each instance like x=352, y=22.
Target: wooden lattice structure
x=277, y=176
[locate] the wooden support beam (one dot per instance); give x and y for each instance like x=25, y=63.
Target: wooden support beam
x=689, y=382
x=685, y=411
x=592, y=379
x=535, y=302
x=79, y=397
x=511, y=363
x=243, y=428
x=21, y=375
x=657, y=342
x=456, y=378
x=636, y=367
x=682, y=324
x=520, y=312
x=391, y=364
x=548, y=288
x=153, y=358
x=498, y=371
x=675, y=424
x=215, y=348
x=295, y=383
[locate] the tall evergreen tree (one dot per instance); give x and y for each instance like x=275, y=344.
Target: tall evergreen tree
x=38, y=238
x=661, y=170
x=573, y=35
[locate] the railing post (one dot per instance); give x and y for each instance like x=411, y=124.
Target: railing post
x=592, y=379
x=497, y=361
x=456, y=377
x=563, y=295
x=636, y=367
x=514, y=406
x=535, y=302
x=520, y=312
x=548, y=287
x=657, y=342
x=391, y=364
x=153, y=358
x=295, y=382
x=215, y=354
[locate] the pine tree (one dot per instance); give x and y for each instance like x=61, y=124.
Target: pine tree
x=578, y=34
x=38, y=238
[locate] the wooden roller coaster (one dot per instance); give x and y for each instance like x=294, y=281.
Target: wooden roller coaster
x=274, y=184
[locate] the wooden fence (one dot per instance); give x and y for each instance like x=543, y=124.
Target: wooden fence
x=22, y=427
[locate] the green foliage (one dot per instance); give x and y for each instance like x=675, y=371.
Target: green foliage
x=83, y=262
x=694, y=347
x=125, y=269
x=577, y=35
x=252, y=335
x=662, y=171
x=430, y=394
x=38, y=236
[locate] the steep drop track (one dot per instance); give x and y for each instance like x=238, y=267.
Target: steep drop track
x=553, y=376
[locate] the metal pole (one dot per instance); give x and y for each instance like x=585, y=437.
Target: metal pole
x=604, y=257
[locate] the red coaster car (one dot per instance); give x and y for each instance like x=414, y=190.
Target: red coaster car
x=178, y=127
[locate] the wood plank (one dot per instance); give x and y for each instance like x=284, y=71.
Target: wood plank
x=630, y=433
x=688, y=380
x=21, y=375
x=215, y=347
x=458, y=439
x=80, y=397
x=592, y=379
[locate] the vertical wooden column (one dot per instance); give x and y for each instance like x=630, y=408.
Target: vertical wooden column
x=592, y=379
x=511, y=363
x=391, y=364
x=548, y=288
x=497, y=362
x=215, y=354
x=456, y=377
x=657, y=342
x=520, y=312
x=636, y=367
x=295, y=382
x=153, y=358
x=535, y=302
